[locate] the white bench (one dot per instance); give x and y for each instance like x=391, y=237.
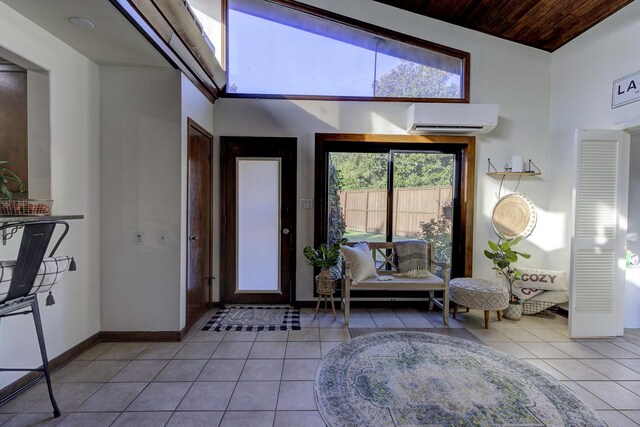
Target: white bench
x=383, y=254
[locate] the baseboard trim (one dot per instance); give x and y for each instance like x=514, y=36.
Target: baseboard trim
x=26, y=381
x=158, y=336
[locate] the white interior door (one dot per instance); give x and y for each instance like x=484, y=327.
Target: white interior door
x=600, y=198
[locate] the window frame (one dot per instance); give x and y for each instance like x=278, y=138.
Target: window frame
x=463, y=147
x=465, y=57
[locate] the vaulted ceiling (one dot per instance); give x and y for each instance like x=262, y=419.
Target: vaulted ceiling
x=543, y=24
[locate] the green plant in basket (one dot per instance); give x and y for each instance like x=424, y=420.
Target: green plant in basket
x=325, y=257
x=502, y=255
x=7, y=176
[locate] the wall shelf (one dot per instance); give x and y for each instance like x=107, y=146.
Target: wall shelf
x=533, y=170
x=508, y=174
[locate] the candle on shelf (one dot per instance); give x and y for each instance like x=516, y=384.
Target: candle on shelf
x=516, y=164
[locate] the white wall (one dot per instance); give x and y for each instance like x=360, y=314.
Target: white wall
x=582, y=73
x=504, y=73
x=197, y=107
x=74, y=122
x=140, y=189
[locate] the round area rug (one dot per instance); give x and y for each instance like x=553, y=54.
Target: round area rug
x=423, y=379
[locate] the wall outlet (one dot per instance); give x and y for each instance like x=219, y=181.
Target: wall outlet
x=162, y=237
x=139, y=237
x=305, y=203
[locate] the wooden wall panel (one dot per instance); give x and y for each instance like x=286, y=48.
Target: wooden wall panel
x=13, y=123
x=544, y=24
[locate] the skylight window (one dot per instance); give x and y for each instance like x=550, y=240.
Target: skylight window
x=282, y=51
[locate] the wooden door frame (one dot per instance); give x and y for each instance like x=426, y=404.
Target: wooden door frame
x=416, y=142
x=223, y=207
x=192, y=124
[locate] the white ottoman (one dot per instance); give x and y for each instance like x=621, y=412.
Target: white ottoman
x=479, y=294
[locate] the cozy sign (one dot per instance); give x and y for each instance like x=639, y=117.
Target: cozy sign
x=626, y=90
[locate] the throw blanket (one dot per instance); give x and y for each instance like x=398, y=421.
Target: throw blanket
x=412, y=255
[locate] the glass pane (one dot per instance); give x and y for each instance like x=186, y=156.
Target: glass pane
x=277, y=50
x=422, y=198
x=258, y=210
x=358, y=196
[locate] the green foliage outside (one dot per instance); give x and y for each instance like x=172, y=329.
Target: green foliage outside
x=337, y=223
x=438, y=232
x=368, y=171
x=411, y=80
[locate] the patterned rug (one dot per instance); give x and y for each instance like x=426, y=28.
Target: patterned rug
x=424, y=379
x=255, y=318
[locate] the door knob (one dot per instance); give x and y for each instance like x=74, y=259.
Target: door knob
x=193, y=238
x=286, y=231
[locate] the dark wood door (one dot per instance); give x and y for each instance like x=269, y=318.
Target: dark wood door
x=258, y=219
x=198, y=223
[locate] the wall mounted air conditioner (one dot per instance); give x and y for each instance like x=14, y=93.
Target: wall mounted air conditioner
x=452, y=119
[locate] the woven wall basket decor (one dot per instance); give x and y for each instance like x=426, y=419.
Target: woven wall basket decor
x=514, y=215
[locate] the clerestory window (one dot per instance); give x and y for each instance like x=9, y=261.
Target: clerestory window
x=284, y=49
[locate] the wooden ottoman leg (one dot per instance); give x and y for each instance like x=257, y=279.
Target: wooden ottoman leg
x=432, y=295
x=455, y=311
x=499, y=315
x=486, y=319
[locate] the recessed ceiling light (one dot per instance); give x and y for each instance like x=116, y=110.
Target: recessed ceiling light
x=82, y=23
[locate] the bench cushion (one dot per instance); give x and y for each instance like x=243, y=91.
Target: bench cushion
x=361, y=261
x=401, y=283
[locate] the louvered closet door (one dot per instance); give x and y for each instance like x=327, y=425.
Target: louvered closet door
x=601, y=191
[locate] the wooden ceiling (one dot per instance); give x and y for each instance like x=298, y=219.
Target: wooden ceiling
x=543, y=24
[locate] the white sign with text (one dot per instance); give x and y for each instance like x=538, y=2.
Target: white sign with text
x=626, y=90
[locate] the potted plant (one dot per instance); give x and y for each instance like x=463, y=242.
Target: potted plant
x=325, y=257
x=12, y=206
x=6, y=177
x=502, y=255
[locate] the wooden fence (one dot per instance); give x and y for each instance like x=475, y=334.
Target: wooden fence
x=366, y=210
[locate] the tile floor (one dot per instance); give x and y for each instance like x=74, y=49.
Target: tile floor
x=251, y=379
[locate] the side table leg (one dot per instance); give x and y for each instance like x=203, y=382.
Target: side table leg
x=333, y=308
x=317, y=307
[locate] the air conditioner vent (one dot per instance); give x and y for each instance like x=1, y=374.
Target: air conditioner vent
x=459, y=119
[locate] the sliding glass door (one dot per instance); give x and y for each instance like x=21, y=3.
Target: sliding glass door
x=393, y=192
x=391, y=196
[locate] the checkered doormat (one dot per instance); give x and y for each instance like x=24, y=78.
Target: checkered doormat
x=255, y=318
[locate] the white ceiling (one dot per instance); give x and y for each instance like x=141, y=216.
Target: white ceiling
x=113, y=41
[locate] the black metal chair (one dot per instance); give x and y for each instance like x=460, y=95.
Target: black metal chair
x=36, y=237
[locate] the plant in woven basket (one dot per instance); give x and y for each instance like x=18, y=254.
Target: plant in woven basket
x=324, y=257
x=502, y=255
x=7, y=176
